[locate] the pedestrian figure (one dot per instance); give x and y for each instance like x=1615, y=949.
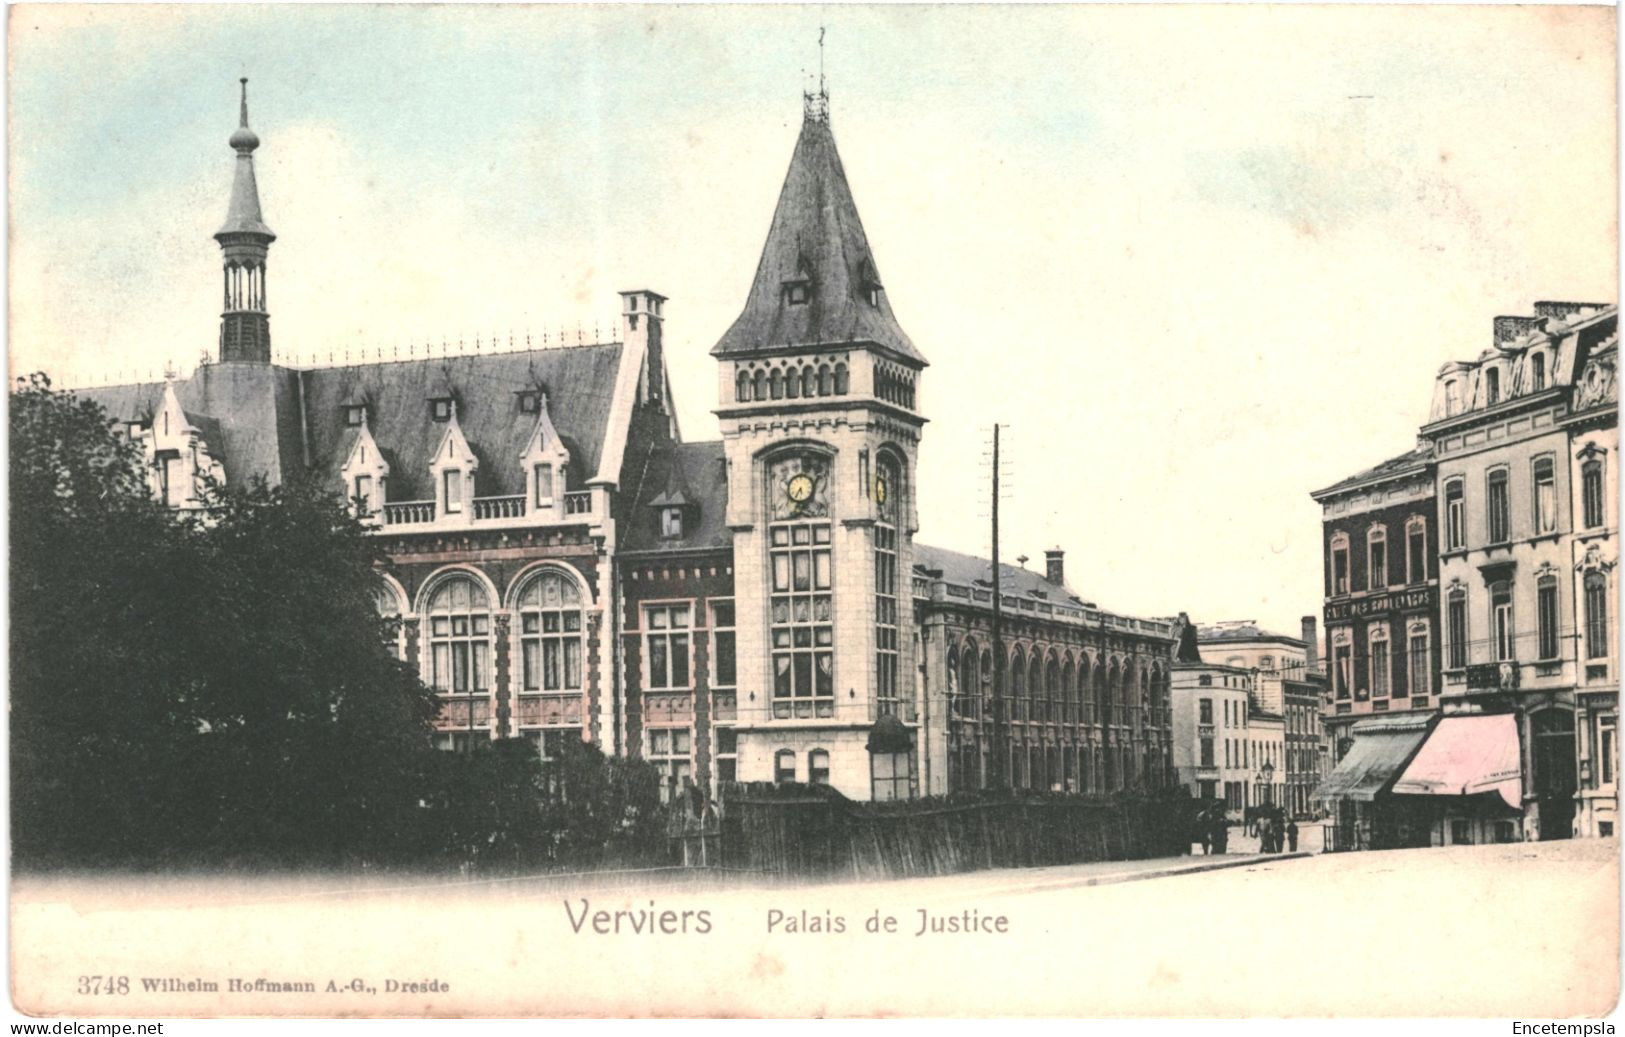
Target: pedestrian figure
x=1292, y=836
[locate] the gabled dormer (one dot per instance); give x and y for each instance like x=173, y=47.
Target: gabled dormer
x=364, y=474
x=544, y=463
x=453, y=468
x=178, y=452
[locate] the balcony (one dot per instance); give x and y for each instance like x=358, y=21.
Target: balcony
x=1485, y=678
x=578, y=503
x=499, y=507
x=407, y=513
x=574, y=506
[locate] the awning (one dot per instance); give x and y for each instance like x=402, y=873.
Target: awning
x=1380, y=749
x=1466, y=755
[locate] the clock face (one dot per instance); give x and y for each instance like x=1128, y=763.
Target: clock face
x=800, y=488
x=880, y=489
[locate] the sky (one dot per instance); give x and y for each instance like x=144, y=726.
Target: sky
x=1198, y=261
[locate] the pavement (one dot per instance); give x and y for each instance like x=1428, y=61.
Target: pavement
x=1525, y=930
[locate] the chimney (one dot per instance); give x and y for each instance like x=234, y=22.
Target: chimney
x=642, y=317
x=1311, y=640
x=1054, y=569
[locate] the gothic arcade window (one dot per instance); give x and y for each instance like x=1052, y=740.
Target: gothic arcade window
x=550, y=649
x=460, y=638
x=1545, y=496
x=800, y=585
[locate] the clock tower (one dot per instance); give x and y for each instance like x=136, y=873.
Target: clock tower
x=818, y=405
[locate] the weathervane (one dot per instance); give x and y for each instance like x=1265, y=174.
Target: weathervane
x=816, y=106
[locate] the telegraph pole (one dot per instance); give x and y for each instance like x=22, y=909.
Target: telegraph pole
x=1001, y=769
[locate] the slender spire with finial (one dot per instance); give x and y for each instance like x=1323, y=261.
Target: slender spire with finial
x=245, y=241
x=815, y=107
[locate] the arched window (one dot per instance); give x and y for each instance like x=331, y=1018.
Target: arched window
x=1035, y=688
x=1455, y=514
x=742, y=393
x=792, y=384
x=809, y=381
x=1018, y=685
x=1376, y=558
x=761, y=385
x=784, y=766
x=388, y=605
x=826, y=381
x=840, y=380
x=460, y=637
x=966, y=703
x=1379, y=668
x=986, y=687
x=1069, y=703
x=818, y=767
x=1503, y=636
x=1339, y=583
x=550, y=633
x=776, y=384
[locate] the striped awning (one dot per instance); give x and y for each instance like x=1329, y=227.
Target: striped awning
x=1380, y=750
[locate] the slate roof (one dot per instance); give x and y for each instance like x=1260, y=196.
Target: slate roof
x=249, y=415
x=579, y=383
x=969, y=569
x=816, y=235
x=1411, y=460
x=1232, y=632
x=262, y=419
x=694, y=471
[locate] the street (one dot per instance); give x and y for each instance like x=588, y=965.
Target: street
x=1517, y=930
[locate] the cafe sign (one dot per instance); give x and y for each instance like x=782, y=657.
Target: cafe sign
x=1376, y=604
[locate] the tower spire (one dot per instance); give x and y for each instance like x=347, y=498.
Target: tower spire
x=245, y=242
x=815, y=106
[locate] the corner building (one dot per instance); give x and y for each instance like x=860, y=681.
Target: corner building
x=563, y=566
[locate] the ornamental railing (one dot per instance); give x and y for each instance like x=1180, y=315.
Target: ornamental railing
x=578, y=503
x=401, y=513
x=499, y=507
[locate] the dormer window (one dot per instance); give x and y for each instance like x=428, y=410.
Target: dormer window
x=1492, y=387
x=530, y=401
x=440, y=408
x=544, y=485
x=355, y=414
x=454, y=490
x=365, y=502
x=796, y=293
x=872, y=294
x=671, y=523
x=869, y=283
x=134, y=428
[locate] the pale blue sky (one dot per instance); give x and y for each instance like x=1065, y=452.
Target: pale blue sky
x=1203, y=261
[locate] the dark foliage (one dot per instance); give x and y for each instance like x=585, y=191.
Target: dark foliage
x=215, y=689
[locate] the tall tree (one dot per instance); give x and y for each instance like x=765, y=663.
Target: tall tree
x=202, y=688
